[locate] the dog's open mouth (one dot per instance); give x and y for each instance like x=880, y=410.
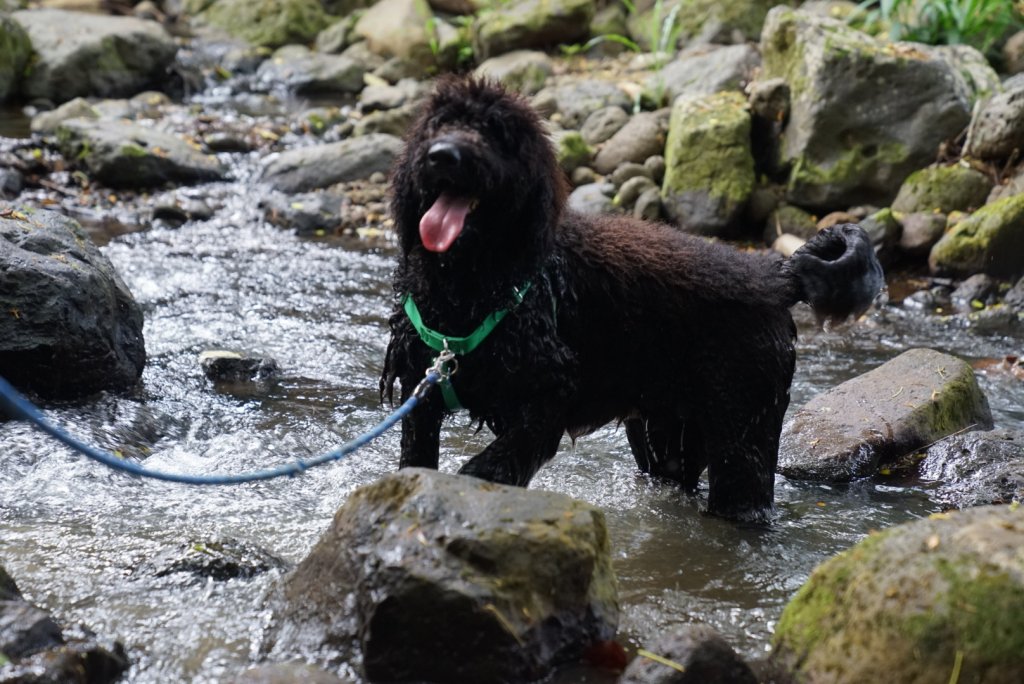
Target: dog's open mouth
x=444, y=221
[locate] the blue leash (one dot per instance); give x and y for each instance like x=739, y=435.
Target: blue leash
x=17, y=406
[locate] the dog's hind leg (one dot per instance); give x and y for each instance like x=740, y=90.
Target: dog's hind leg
x=668, y=447
x=516, y=455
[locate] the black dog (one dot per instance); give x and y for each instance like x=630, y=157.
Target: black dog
x=689, y=343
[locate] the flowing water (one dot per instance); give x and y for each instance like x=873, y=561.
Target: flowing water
x=86, y=542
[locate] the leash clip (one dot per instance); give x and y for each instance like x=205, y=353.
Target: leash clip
x=444, y=367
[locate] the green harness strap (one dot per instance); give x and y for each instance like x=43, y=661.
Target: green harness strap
x=458, y=345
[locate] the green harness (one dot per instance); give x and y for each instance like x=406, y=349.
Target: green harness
x=458, y=346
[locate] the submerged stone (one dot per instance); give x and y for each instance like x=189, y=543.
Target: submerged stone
x=915, y=603
x=903, y=405
x=504, y=582
x=976, y=468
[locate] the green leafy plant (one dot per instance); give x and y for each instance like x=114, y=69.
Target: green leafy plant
x=577, y=48
x=979, y=23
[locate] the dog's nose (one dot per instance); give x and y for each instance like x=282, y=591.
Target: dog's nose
x=444, y=155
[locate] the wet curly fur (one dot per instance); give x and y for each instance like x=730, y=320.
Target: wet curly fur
x=689, y=343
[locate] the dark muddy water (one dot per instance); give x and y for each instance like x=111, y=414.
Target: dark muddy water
x=86, y=542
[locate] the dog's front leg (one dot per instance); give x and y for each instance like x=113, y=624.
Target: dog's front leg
x=421, y=433
x=516, y=455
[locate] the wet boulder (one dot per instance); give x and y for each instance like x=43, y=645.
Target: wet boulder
x=991, y=240
x=903, y=405
x=709, y=166
x=915, y=603
x=531, y=24
x=641, y=137
x=224, y=366
x=15, y=50
x=267, y=23
x=308, y=168
x=120, y=154
x=34, y=648
x=298, y=68
x=81, y=54
x=976, y=468
x=216, y=559
x=445, y=578
x=848, y=140
x=703, y=71
x=70, y=326
x=997, y=129
x=695, y=654
x=942, y=189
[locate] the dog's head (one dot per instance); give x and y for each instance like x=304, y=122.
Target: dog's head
x=477, y=174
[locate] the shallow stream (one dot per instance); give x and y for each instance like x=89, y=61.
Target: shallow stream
x=87, y=543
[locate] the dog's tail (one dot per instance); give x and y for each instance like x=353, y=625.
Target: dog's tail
x=836, y=272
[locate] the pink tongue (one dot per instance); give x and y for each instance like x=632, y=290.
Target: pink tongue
x=443, y=222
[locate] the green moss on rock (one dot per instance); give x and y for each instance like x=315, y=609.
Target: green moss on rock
x=906, y=603
x=942, y=189
x=572, y=150
x=268, y=23
x=530, y=24
x=989, y=241
x=15, y=51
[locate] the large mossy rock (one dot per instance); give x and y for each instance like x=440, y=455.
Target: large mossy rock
x=915, y=603
x=120, y=154
x=530, y=24
x=709, y=166
x=80, y=54
x=69, y=324
x=943, y=189
x=991, y=240
x=849, y=140
x=445, y=578
x=903, y=405
x=698, y=21
x=15, y=50
x=268, y=23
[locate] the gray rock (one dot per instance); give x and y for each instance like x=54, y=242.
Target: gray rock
x=997, y=129
x=406, y=91
x=304, y=71
x=530, y=24
x=308, y=168
x=789, y=220
x=360, y=53
x=398, y=28
x=314, y=213
x=219, y=560
x=78, y=108
x=603, y=124
x=1013, y=53
x=703, y=71
x=642, y=136
x=125, y=155
x=648, y=205
x=921, y=230
x=709, y=175
x=1014, y=299
x=631, y=190
x=582, y=175
x=504, y=581
x=11, y=183
x=389, y=121
x=975, y=292
x=699, y=22
x=336, y=37
x=578, y=100
x=848, y=140
x=704, y=656
x=914, y=603
x=976, y=468
x=629, y=170
x=15, y=51
x=24, y=627
x=1012, y=186
x=522, y=70
x=81, y=54
x=592, y=198
x=905, y=404
x=884, y=231
x=266, y=23
x=656, y=165
x=92, y=340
